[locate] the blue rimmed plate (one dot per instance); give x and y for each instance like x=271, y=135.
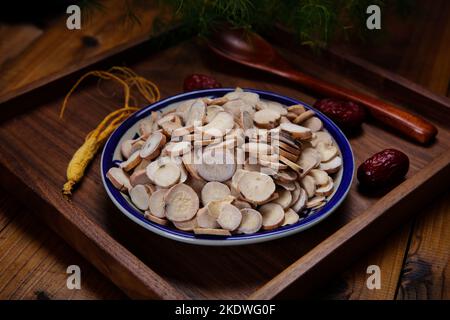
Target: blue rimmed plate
x=128, y=130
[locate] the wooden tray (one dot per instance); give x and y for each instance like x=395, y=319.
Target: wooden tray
x=35, y=147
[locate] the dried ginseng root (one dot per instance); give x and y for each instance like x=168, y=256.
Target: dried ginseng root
x=95, y=139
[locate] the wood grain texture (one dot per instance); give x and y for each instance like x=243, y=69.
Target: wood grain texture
x=33, y=260
x=56, y=51
x=237, y=272
x=426, y=273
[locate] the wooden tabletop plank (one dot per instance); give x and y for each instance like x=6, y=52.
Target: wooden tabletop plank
x=33, y=260
x=56, y=51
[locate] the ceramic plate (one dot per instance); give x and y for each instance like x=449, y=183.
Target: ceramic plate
x=128, y=130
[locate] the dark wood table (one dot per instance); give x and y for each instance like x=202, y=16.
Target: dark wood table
x=414, y=260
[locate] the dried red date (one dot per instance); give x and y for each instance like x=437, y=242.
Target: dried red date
x=200, y=81
x=383, y=168
x=347, y=114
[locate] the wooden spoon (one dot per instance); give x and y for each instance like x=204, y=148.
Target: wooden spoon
x=250, y=49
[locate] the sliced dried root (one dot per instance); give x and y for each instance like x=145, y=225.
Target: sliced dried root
x=196, y=114
x=272, y=216
x=294, y=166
x=139, y=177
x=132, y=162
x=321, y=136
x=178, y=148
x=214, y=191
x=212, y=232
x=308, y=183
x=139, y=195
x=314, y=123
x=290, y=186
x=217, y=165
x=331, y=166
x=327, y=152
x=256, y=187
x=295, y=193
x=290, y=217
x=251, y=221
x=119, y=179
x=222, y=123
x=300, y=204
x=230, y=217
x=308, y=160
x=241, y=204
x=289, y=148
x=156, y=204
x=284, y=199
x=297, y=109
x=153, y=145
x=163, y=172
x=289, y=156
x=325, y=190
x=320, y=177
x=215, y=206
x=182, y=203
x=304, y=116
x=266, y=118
x=205, y=220
x=286, y=176
x=182, y=131
x=154, y=219
x=189, y=225
x=315, y=202
x=296, y=131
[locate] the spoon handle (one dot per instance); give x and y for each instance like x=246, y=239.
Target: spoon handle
x=407, y=123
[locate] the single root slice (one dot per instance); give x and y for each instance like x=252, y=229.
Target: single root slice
x=286, y=176
x=272, y=216
x=314, y=123
x=182, y=203
x=215, y=101
x=156, y=204
x=119, y=179
x=266, y=118
x=215, y=206
x=320, y=176
x=139, y=196
x=331, y=166
x=189, y=225
x=152, y=146
x=251, y=221
x=163, y=172
x=154, y=219
x=139, y=177
x=321, y=136
x=295, y=193
x=297, y=109
x=178, y=148
x=272, y=198
x=142, y=165
x=212, y=232
x=327, y=152
x=289, y=156
x=315, y=202
x=182, y=131
x=196, y=114
x=125, y=148
x=304, y=116
x=205, y=220
x=289, y=148
x=256, y=187
x=296, y=131
x=290, y=186
x=246, y=121
x=300, y=204
x=217, y=165
x=308, y=183
x=230, y=217
x=214, y=191
x=290, y=217
x=284, y=199
x=241, y=204
x=294, y=166
x=131, y=162
x=308, y=160
x=325, y=190
x=222, y=123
